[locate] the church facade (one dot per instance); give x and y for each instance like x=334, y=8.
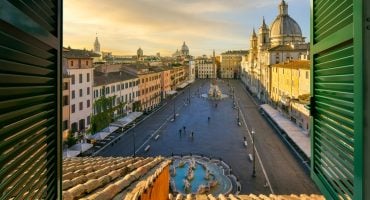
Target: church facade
x=280, y=42
x=183, y=53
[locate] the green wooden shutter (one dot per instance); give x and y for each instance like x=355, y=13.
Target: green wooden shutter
x=337, y=107
x=30, y=90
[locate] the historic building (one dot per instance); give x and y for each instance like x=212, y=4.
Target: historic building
x=140, y=54
x=149, y=84
x=165, y=82
x=281, y=42
x=183, y=53
x=78, y=66
x=206, y=67
x=66, y=106
x=290, y=90
x=97, y=50
x=122, y=88
x=230, y=63
x=191, y=71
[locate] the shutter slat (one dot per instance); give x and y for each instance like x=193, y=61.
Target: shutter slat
x=24, y=113
x=14, y=55
x=22, y=135
x=24, y=80
x=333, y=89
x=22, y=46
x=330, y=136
x=7, y=10
x=30, y=99
x=330, y=17
x=331, y=171
x=23, y=91
x=18, y=68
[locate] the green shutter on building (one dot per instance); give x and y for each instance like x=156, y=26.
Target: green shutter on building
x=337, y=103
x=30, y=89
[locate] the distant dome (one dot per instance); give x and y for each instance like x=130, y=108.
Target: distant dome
x=184, y=47
x=140, y=52
x=284, y=25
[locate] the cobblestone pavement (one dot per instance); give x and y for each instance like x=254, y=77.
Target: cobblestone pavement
x=220, y=137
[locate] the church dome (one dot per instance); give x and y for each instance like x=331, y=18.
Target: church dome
x=284, y=25
x=140, y=52
x=184, y=47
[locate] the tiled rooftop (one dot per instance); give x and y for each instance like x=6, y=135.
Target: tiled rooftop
x=101, y=78
x=295, y=64
x=238, y=52
x=246, y=197
x=78, y=53
x=109, y=178
x=129, y=178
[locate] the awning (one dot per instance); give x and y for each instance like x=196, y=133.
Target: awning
x=99, y=135
x=183, y=85
x=81, y=147
x=171, y=92
x=296, y=134
x=191, y=81
x=122, y=122
x=285, y=101
x=70, y=153
x=110, y=129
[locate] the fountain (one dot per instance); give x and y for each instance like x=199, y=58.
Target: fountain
x=199, y=175
x=173, y=171
x=187, y=185
x=214, y=92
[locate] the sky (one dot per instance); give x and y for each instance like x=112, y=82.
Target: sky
x=123, y=26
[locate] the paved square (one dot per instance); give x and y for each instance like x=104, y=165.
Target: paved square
x=220, y=137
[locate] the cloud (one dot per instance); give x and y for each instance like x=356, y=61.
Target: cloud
x=161, y=24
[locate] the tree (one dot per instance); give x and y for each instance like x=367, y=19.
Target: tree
x=104, y=113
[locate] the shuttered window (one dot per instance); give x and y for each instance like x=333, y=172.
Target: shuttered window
x=336, y=88
x=30, y=99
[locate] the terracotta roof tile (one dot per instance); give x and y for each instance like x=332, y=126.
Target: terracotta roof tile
x=105, y=178
x=246, y=197
x=128, y=178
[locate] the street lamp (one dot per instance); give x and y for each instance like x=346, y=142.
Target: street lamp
x=239, y=124
x=134, y=134
x=189, y=94
x=174, y=109
x=254, y=155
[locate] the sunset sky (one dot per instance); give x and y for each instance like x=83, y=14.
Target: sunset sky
x=162, y=25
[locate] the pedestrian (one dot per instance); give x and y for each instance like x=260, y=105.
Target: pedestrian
x=209, y=119
x=184, y=127
x=192, y=133
x=180, y=131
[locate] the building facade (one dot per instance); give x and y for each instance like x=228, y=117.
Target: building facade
x=165, y=82
x=122, y=88
x=290, y=90
x=78, y=65
x=178, y=75
x=230, y=63
x=191, y=74
x=281, y=42
x=97, y=58
x=183, y=54
x=206, y=68
x=149, y=85
x=140, y=54
x=66, y=107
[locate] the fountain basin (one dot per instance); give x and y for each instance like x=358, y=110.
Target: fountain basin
x=208, y=176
